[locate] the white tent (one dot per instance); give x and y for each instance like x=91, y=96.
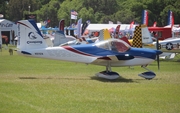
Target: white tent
x=7, y=28
x=98, y=27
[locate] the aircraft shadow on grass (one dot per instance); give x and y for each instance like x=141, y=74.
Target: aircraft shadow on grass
x=120, y=79
x=28, y=78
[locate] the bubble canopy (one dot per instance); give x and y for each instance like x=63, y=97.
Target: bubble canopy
x=116, y=45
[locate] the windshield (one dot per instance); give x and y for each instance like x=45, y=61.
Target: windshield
x=114, y=45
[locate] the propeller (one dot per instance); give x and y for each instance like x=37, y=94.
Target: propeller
x=157, y=47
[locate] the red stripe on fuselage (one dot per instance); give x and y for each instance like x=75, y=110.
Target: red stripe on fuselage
x=75, y=51
x=104, y=58
x=82, y=53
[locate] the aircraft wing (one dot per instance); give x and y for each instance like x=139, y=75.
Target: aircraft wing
x=114, y=58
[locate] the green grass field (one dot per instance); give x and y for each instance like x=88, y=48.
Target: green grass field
x=32, y=85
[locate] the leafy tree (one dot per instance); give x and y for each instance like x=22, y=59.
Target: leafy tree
x=124, y=16
x=87, y=14
x=158, y=10
x=3, y=7
x=17, y=9
x=49, y=12
x=65, y=9
x=97, y=11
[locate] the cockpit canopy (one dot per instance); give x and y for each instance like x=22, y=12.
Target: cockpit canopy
x=116, y=45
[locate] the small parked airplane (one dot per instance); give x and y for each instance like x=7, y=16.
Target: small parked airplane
x=171, y=45
x=59, y=37
x=164, y=45
x=108, y=53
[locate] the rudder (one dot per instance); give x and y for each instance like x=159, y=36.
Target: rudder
x=29, y=35
x=137, y=38
x=104, y=34
x=141, y=36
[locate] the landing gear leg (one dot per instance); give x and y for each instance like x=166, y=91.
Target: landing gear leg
x=108, y=67
x=147, y=75
x=108, y=74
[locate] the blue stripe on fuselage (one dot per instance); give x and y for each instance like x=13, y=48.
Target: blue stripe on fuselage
x=93, y=50
x=143, y=52
x=132, y=52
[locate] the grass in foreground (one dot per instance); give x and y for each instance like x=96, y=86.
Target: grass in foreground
x=47, y=86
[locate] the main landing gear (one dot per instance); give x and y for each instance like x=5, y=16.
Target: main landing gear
x=108, y=74
x=147, y=75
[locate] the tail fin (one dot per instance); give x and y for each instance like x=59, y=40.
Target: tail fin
x=29, y=35
x=137, y=38
x=83, y=28
x=141, y=36
x=79, y=28
x=146, y=36
x=117, y=29
x=61, y=25
x=61, y=39
x=155, y=24
x=145, y=17
x=131, y=25
x=104, y=34
x=170, y=18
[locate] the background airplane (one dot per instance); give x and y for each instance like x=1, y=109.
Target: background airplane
x=147, y=42
x=57, y=35
x=171, y=45
x=108, y=53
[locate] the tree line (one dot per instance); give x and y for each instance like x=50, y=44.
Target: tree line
x=97, y=11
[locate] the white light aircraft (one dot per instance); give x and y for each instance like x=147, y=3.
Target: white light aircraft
x=108, y=53
x=164, y=46
x=170, y=46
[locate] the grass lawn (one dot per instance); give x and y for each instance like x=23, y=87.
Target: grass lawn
x=33, y=85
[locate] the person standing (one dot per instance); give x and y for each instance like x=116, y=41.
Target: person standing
x=6, y=42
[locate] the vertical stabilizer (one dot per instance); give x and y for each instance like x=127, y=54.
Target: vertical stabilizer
x=59, y=38
x=141, y=36
x=61, y=25
x=146, y=36
x=104, y=34
x=137, y=38
x=29, y=35
x=145, y=17
x=170, y=18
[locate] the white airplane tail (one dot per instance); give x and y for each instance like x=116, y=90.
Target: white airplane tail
x=146, y=36
x=62, y=39
x=141, y=36
x=29, y=35
x=104, y=34
x=59, y=38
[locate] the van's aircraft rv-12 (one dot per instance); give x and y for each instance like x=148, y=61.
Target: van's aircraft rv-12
x=108, y=53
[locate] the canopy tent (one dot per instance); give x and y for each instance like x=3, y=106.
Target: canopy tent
x=9, y=29
x=98, y=27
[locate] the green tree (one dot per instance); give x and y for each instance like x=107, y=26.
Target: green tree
x=17, y=9
x=49, y=11
x=3, y=7
x=87, y=14
x=65, y=9
x=98, y=11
